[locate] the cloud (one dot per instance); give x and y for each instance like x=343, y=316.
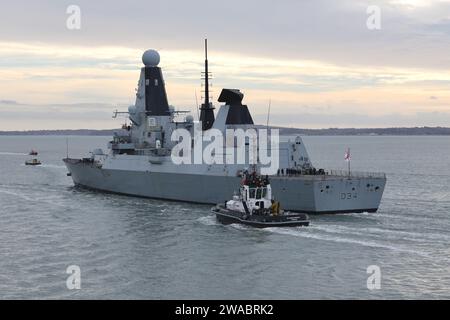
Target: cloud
x=355, y=120
x=313, y=59
x=327, y=30
x=22, y=116
x=19, y=116
x=8, y=102
x=82, y=81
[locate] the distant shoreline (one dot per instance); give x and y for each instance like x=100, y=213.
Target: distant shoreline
x=400, y=131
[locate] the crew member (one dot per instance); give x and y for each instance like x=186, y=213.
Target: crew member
x=275, y=207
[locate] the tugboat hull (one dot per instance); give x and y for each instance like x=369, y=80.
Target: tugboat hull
x=32, y=163
x=259, y=221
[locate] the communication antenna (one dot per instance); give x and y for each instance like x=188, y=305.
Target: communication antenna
x=268, y=113
x=67, y=147
x=197, y=105
x=116, y=113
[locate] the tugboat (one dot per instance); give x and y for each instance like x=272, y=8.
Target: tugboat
x=32, y=162
x=33, y=152
x=254, y=206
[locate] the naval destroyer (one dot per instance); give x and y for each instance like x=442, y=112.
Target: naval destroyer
x=139, y=161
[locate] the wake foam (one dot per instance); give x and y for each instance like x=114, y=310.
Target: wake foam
x=313, y=232
x=209, y=220
x=12, y=154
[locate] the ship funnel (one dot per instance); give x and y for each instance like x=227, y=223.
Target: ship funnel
x=156, y=103
x=207, y=109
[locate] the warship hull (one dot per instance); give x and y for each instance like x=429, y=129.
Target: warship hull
x=301, y=193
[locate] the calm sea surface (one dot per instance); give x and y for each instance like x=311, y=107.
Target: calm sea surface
x=129, y=247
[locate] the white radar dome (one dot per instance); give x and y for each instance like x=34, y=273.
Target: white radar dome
x=150, y=58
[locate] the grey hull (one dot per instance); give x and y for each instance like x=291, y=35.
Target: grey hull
x=305, y=193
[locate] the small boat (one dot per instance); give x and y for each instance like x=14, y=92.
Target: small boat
x=254, y=206
x=33, y=153
x=32, y=162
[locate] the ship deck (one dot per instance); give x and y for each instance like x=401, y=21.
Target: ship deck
x=335, y=174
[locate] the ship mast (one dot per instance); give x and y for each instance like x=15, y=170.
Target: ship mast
x=206, y=109
x=206, y=75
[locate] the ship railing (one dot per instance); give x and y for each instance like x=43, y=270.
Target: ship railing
x=355, y=174
x=143, y=152
x=151, y=152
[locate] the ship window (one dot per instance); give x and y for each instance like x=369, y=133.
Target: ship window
x=258, y=193
x=252, y=193
x=156, y=82
x=264, y=192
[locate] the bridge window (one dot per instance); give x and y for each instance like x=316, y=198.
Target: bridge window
x=264, y=192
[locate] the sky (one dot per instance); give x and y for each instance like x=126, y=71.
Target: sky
x=316, y=61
